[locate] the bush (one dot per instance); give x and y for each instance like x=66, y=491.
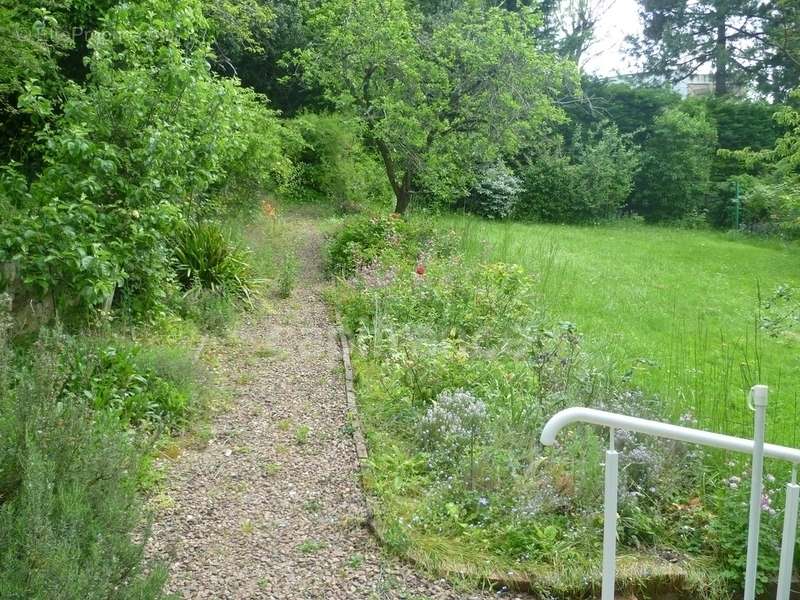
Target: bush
x=206, y=258
x=590, y=184
x=495, y=196
x=676, y=169
x=70, y=515
x=772, y=207
x=362, y=240
x=333, y=164
x=124, y=381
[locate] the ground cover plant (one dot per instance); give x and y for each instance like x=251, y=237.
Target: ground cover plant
x=461, y=354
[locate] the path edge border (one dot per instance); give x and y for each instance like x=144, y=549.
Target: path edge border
x=354, y=418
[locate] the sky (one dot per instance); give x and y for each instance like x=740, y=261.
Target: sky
x=607, y=56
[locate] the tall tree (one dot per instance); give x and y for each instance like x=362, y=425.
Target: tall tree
x=779, y=68
x=437, y=96
x=735, y=38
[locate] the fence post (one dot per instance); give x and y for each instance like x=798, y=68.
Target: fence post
x=758, y=403
x=610, y=519
x=788, y=538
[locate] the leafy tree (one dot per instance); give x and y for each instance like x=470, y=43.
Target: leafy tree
x=439, y=96
x=252, y=38
x=676, y=169
x=332, y=163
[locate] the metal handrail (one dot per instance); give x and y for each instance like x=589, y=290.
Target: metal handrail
x=756, y=447
x=674, y=432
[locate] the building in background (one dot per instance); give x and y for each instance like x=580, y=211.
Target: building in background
x=697, y=84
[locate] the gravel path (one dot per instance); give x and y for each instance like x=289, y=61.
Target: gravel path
x=272, y=507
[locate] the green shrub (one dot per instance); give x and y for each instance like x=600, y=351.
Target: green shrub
x=117, y=378
x=676, y=170
x=206, y=258
x=496, y=193
x=589, y=183
x=130, y=154
x=70, y=516
x=632, y=108
x=362, y=240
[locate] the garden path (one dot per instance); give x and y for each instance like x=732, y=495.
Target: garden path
x=272, y=507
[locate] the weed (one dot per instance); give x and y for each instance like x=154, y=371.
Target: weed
x=287, y=275
x=301, y=435
x=355, y=561
x=248, y=527
x=310, y=547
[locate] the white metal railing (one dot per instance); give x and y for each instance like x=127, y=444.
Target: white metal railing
x=756, y=447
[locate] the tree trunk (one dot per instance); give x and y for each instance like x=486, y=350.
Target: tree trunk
x=402, y=200
x=401, y=189
x=721, y=58
x=402, y=194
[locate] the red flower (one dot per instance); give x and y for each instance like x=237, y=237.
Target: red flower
x=420, y=269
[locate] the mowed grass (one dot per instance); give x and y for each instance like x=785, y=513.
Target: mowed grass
x=675, y=312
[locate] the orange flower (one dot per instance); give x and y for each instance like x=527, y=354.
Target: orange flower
x=420, y=269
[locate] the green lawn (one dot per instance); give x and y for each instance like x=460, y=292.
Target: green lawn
x=674, y=310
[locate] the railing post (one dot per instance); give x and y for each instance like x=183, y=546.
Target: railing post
x=610, y=519
x=758, y=402
x=788, y=539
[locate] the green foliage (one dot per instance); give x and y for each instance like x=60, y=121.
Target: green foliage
x=287, y=275
x=135, y=386
x=69, y=509
x=206, y=258
x=362, y=240
x=211, y=311
x=436, y=97
x=590, y=185
x=333, y=163
x=676, y=169
x=740, y=124
x=632, y=108
x=496, y=193
x=772, y=201
x=140, y=146
x=771, y=207
x=726, y=538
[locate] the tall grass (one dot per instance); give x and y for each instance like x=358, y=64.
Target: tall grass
x=676, y=312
